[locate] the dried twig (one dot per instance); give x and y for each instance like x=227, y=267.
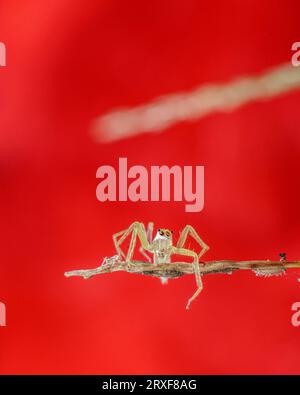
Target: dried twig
x=178, y=269
x=162, y=248
x=166, y=111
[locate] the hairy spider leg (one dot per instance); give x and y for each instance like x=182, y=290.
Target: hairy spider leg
x=186, y=252
x=189, y=230
x=136, y=229
x=150, y=239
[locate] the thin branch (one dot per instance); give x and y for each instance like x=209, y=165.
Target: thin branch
x=178, y=269
x=165, y=111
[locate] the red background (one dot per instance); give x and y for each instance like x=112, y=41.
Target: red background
x=69, y=61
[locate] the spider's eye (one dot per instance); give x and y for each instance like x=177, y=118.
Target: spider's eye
x=160, y=232
x=168, y=233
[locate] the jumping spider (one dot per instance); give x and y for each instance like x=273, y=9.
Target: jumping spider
x=161, y=246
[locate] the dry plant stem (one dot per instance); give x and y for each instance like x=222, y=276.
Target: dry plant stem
x=167, y=110
x=178, y=269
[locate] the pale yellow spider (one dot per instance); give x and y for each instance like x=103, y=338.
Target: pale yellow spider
x=161, y=247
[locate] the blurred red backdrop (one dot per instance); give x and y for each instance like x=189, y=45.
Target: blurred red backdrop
x=70, y=61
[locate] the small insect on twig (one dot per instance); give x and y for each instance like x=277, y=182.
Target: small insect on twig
x=162, y=248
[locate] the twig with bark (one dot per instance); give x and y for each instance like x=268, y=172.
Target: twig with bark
x=178, y=269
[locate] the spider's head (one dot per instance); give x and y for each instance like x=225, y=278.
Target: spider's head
x=164, y=234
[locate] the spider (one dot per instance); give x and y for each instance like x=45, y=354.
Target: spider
x=161, y=246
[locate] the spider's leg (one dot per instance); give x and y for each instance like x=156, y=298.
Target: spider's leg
x=142, y=251
x=199, y=284
x=137, y=229
x=184, y=251
x=149, y=238
x=150, y=232
x=189, y=230
x=131, y=246
x=117, y=244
